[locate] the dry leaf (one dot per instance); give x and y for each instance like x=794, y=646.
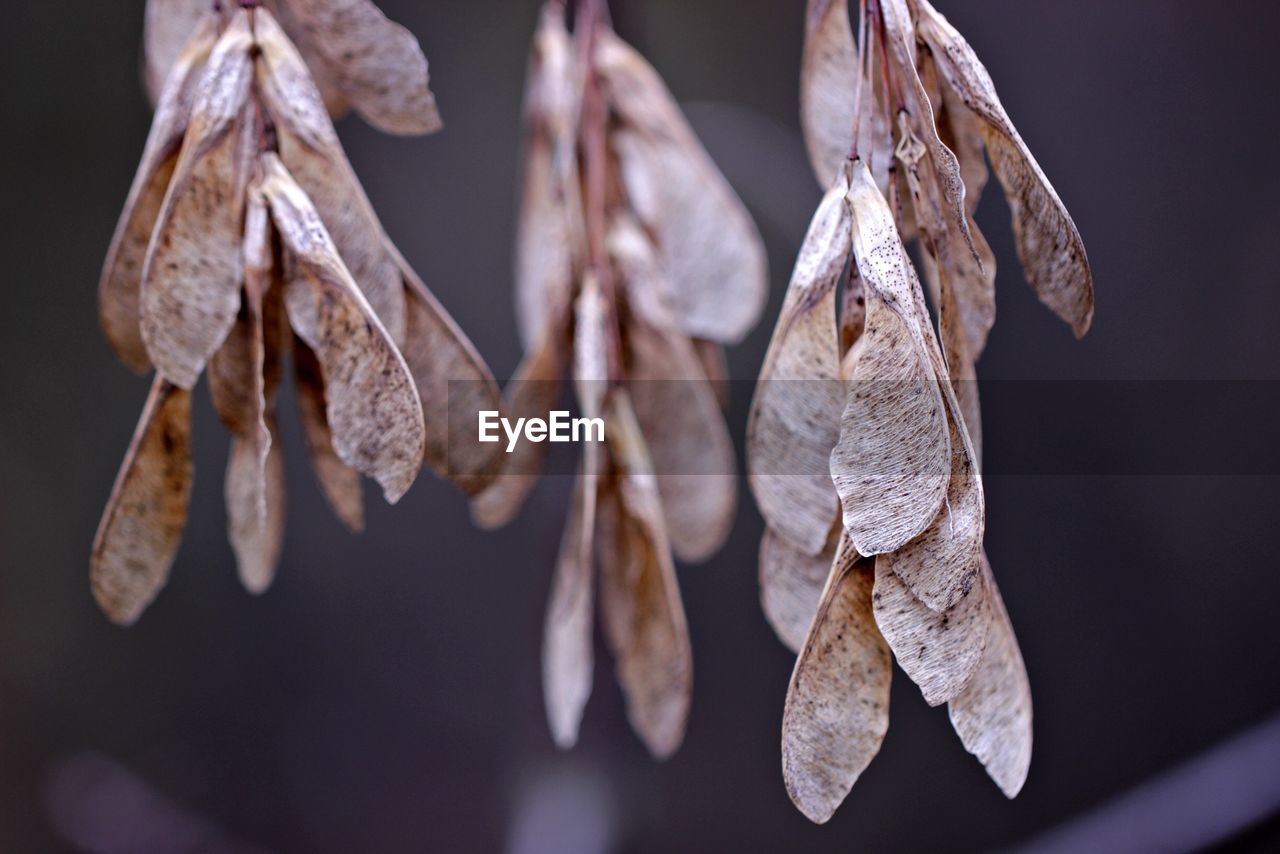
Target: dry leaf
x=192, y=275
x=938, y=650
x=993, y=714
x=640, y=599
x=1049, y=245
x=795, y=416
x=791, y=584
x=372, y=406
x=709, y=245
x=375, y=63
x=142, y=525
x=891, y=463
x=118, y=289
x=837, y=709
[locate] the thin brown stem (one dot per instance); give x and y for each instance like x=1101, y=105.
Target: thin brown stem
x=592, y=132
x=857, y=96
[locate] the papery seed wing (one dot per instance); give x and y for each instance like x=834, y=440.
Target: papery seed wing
x=237, y=377
x=118, y=289
x=795, y=415
x=313, y=154
x=142, y=525
x=649, y=291
x=1049, y=245
x=675, y=404
x=962, y=254
x=709, y=245
x=640, y=599
x=791, y=584
x=454, y=385
x=550, y=219
x=192, y=275
x=715, y=364
x=829, y=71
x=959, y=130
x=255, y=494
x=940, y=564
x=837, y=708
x=853, y=312
x=939, y=650
x=168, y=26
x=992, y=715
x=567, y=655
x=955, y=343
x=891, y=466
x=375, y=63
x=339, y=482
x=237, y=370
x=532, y=392
x=372, y=406
x=688, y=441
x=900, y=45
x=567, y=652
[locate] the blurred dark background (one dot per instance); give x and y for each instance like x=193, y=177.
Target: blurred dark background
x=385, y=694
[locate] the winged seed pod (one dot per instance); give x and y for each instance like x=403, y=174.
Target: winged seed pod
x=635, y=262
x=864, y=440
x=357, y=57
x=246, y=238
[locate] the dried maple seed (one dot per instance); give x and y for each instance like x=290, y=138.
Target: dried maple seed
x=635, y=262
x=247, y=234
x=899, y=119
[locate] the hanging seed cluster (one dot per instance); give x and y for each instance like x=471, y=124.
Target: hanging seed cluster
x=247, y=239
x=635, y=262
x=864, y=440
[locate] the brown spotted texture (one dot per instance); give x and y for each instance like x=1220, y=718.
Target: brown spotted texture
x=192, y=276
x=372, y=406
x=1049, y=245
x=837, y=707
x=118, y=288
x=142, y=525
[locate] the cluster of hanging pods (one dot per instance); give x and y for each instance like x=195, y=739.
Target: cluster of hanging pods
x=247, y=247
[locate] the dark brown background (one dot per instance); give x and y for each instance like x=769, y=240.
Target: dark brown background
x=385, y=694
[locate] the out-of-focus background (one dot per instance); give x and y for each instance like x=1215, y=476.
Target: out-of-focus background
x=385, y=694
